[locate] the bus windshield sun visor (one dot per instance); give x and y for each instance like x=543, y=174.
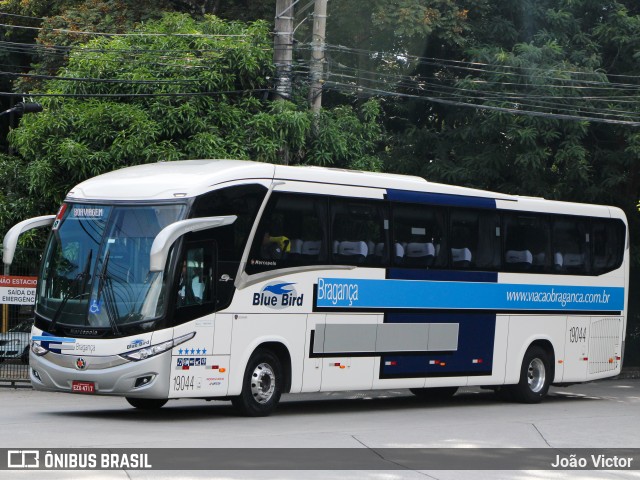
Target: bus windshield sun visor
x=168, y=235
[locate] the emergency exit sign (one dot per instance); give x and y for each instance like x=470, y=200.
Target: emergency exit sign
x=17, y=290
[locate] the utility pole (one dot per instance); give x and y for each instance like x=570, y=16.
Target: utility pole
x=317, y=54
x=283, y=48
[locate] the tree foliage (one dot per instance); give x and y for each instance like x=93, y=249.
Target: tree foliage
x=537, y=48
x=529, y=46
x=203, y=96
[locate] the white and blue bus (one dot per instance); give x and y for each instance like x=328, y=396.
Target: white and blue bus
x=235, y=280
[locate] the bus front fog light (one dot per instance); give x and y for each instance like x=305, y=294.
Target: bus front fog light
x=142, y=381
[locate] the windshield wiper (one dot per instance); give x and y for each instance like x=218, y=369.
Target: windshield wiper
x=67, y=294
x=108, y=304
x=103, y=275
x=85, y=272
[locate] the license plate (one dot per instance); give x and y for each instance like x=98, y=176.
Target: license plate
x=83, y=387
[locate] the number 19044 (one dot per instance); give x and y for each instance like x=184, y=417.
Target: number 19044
x=578, y=334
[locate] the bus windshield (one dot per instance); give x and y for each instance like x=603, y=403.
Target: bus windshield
x=96, y=266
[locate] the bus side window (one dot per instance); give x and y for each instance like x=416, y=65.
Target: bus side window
x=607, y=240
x=291, y=233
x=527, y=243
x=358, y=232
x=475, y=239
x=570, y=245
x=418, y=236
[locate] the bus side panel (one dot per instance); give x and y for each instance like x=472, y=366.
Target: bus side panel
x=605, y=347
x=593, y=348
x=312, y=366
x=526, y=329
x=222, y=335
x=252, y=330
x=576, y=355
x=499, y=355
x=384, y=383
x=451, y=346
x=355, y=333
x=195, y=370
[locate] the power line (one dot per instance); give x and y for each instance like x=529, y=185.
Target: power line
x=134, y=95
x=137, y=34
x=466, y=91
x=399, y=55
x=423, y=82
x=485, y=107
x=6, y=14
x=98, y=80
x=413, y=83
x=500, y=97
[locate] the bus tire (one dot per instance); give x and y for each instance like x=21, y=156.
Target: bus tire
x=434, y=394
x=147, y=403
x=535, y=376
x=261, y=386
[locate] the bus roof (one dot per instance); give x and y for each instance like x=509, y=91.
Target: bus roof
x=189, y=178
x=168, y=180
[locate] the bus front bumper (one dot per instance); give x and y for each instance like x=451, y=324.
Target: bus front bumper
x=111, y=375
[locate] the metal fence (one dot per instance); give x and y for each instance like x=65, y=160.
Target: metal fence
x=16, y=320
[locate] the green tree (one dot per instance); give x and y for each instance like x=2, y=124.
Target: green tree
x=561, y=57
x=368, y=41
x=181, y=89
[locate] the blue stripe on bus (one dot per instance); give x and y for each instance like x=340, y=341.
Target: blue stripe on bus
x=441, y=275
x=51, y=338
x=474, y=355
x=355, y=293
x=441, y=199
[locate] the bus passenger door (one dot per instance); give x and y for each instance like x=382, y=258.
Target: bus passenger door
x=195, y=371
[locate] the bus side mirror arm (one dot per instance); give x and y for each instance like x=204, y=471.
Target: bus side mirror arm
x=10, y=241
x=169, y=234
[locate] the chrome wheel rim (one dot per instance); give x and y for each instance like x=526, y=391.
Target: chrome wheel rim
x=536, y=375
x=263, y=383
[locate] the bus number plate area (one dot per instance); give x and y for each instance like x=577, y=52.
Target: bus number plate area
x=83, y=387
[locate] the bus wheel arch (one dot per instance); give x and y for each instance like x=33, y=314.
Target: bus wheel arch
x=536, y=373
x=267, y=375
x=282, y=352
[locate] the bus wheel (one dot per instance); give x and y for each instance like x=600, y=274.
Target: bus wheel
x=535, y=376
x=147, y=403
x=434, y=394
x=261, y=387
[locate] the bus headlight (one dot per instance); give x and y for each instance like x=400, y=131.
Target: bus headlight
x=38, y=349
x=153, y=350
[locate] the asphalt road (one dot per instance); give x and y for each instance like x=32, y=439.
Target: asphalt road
x=603, y=414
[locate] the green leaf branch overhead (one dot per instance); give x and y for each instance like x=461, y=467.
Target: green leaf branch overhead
x=182, y=89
